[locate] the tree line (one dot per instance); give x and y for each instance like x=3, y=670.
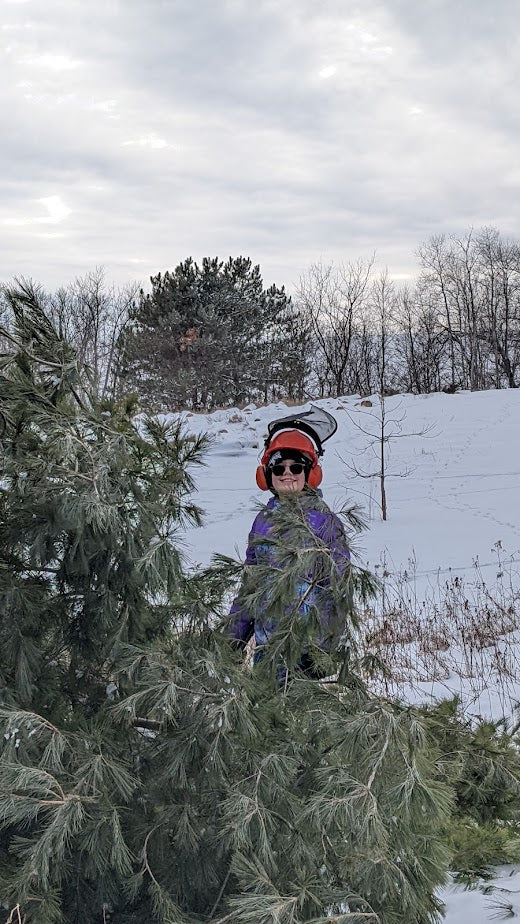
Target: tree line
x=457, y=327
x=211, y=334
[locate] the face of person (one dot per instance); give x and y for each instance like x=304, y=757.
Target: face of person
x=288, y=482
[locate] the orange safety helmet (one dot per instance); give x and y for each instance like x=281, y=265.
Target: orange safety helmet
x=290, y=439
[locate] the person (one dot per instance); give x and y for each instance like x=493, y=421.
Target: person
x=296, y=513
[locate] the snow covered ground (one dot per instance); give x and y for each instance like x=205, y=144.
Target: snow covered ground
x=501, y=903
x=453, y=491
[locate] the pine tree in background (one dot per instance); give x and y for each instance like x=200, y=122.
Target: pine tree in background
x=210, y=335
x=146, y=772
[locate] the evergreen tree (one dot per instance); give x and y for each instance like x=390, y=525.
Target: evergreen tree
x=146, y=773
x=212, y=335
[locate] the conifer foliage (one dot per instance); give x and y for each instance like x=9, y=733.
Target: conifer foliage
x=482, y=761
x=210, y=335
x=146, y=772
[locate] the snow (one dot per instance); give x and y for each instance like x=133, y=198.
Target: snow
x=473, y=907
x=453, y=489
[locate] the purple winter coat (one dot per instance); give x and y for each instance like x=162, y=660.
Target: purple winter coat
x=328, y=529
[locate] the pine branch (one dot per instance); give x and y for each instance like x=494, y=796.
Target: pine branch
x=23, y=349
x=380, y=759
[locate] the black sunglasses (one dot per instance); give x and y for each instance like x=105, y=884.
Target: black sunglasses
x=295, y=468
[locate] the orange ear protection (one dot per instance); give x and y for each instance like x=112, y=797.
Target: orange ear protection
x=260, y=478
x=315, y=477
x=290, y=439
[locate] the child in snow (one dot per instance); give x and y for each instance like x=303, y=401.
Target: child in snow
x=296, y=513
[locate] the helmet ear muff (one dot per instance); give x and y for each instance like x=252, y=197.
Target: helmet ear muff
x=315, y=477
x=261, y=479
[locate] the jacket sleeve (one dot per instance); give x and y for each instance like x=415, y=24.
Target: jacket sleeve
x=241, y=626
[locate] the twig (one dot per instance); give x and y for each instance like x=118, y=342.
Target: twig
x=220, y=894
x=11, y=920
x=380, y=759
x=145, y=855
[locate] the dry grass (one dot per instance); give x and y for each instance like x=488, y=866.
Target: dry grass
x=462, y=634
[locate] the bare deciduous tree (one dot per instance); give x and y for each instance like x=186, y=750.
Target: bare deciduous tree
x=381, y=430
x=499, y=278
x=92, y=315
x=473, y=282
x=421, y=344
x=332, y=299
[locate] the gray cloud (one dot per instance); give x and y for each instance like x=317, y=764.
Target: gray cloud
x=155, y=129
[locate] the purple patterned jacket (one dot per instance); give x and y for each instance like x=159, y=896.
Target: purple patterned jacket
x=328, y=529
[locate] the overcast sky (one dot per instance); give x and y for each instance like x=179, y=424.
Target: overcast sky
x=138, y=132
